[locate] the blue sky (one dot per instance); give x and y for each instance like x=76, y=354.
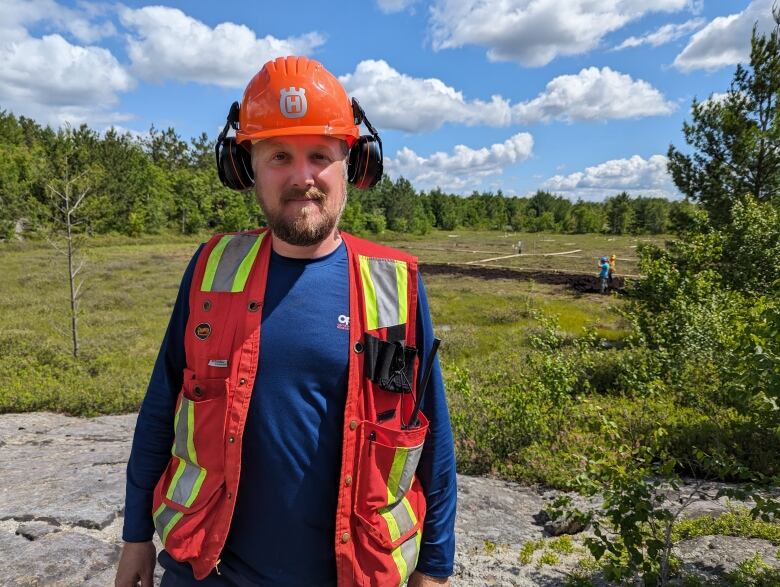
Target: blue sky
x=580, y=97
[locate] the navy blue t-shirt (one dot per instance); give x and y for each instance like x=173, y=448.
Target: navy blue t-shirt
x=283, y=527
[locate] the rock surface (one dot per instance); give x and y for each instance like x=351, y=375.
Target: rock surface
x=62, y=491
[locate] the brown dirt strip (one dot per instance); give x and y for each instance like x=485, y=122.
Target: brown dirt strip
x=582, y=282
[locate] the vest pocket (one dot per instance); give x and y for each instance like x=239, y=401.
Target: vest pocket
x=196, y=469
x=389, y=502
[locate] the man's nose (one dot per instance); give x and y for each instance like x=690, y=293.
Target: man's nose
x=303, y=173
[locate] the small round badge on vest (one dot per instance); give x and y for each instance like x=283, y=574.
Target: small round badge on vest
x=203, y=330
x=296, y=96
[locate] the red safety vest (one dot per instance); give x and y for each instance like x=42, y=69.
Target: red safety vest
x=381, y=506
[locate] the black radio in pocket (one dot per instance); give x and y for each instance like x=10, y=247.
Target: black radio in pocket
x=389, y=364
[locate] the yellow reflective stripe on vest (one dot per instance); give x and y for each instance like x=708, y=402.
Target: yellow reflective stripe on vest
x=213, y=262
x=385, y=285
x=401, y=278
x=230, y=262
x=242, y=273
x=405, y=556
x=165, y=519
x=189, y=476
x=398, y=513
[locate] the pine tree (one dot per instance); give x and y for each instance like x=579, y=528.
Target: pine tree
x=736, y=138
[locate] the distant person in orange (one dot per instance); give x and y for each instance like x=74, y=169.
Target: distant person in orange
x=612, y=260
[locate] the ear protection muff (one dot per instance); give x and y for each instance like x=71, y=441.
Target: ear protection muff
x=365, y=156
x=234, y=162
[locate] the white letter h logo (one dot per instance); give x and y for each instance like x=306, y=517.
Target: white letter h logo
x=292, y=102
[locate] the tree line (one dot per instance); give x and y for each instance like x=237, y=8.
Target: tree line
x=160, y=182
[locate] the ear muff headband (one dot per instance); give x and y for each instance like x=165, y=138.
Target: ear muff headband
x=234, y=164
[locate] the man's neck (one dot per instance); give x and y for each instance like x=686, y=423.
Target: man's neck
x=326, y=246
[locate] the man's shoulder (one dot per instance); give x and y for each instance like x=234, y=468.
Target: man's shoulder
x=219, y=235
x=370, y=248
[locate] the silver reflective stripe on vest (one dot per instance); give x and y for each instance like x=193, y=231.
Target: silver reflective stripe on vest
x=232, y=256
x=385, y=290
x=165, y=518
x=405, y=556
x=383, y=274
x=407, y=474
x=398, y=513
x=189, y=476
x=409, y=552
x=401, y=515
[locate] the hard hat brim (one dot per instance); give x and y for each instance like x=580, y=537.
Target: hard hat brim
x=348, y=134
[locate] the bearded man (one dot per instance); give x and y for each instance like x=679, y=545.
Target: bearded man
x=324, y=455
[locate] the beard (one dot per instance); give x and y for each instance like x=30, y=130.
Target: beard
x=305, y=228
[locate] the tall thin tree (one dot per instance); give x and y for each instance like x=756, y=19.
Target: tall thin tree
x=67, y=193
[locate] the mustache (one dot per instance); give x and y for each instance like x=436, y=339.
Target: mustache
x=311, y=193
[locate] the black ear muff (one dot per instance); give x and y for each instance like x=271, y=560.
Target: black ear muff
x=234, y=162
x=365, y=162
x=365, y=156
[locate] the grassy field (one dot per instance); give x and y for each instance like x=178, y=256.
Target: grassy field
x=555, y=252
x=131, y=286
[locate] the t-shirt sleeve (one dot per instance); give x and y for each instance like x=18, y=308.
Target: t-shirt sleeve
x=153, y=435
x=436, y=470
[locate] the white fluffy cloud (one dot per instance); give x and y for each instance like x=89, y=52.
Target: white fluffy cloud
x=19, y=14
x=390, y=6
x=593, y=94
x=665, y=34
x=534, y=32
x=394, y=100
x=165, y=43
x=51, y=79
x=635, y=175
x=462, y=169
x=726, y=40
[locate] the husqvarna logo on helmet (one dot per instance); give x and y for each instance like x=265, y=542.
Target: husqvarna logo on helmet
x=292, y=102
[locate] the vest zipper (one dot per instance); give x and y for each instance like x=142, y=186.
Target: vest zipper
x=216, y=566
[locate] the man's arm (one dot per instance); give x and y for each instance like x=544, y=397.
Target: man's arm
x=436, y=470
x=153, y=435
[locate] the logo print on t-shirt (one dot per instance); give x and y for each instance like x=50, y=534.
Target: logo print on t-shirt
x=343, y=322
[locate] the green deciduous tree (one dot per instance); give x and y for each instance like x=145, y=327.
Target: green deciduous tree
x=620, y=213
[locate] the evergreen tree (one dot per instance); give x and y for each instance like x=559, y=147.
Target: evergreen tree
x=735, y=139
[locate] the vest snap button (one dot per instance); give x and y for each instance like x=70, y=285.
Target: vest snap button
x=197, y=391
x=348, y=480
x=242, y=381
x=253, y=306
x=353, y=424
x=345, y=537
x=230, y=495
x=358, y=347
x=231, y=439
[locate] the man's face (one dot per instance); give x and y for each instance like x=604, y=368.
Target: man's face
x=301, y=185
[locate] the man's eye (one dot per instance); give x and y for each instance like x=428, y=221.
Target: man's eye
x=279, y=156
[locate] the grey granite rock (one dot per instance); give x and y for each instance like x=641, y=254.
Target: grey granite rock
x=62, y=491
x=36, y=529
x=709, y=558
x=46, y=460
x=61, y=559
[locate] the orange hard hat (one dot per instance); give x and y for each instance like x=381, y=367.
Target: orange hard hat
x=295, y=96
